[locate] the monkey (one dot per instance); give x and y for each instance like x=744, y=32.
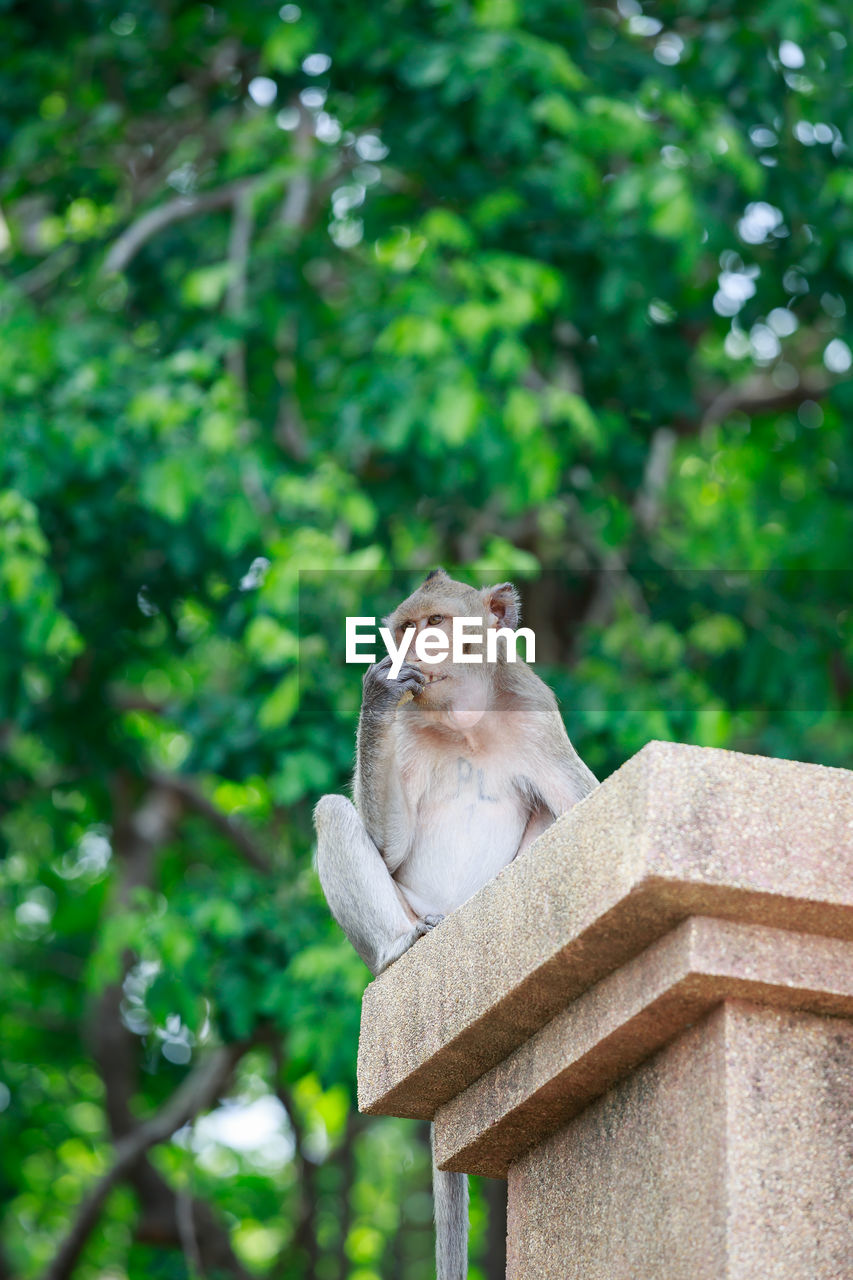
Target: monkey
x=460, y=765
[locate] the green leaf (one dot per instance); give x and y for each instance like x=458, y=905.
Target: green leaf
x=280, y=706
x=288, y=43
x=206, y=286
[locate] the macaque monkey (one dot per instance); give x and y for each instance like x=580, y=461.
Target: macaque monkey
x=460, y=766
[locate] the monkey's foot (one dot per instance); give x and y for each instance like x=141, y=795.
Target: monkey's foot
x=429, y=922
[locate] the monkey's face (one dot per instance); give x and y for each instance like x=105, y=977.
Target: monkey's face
x=428, y=616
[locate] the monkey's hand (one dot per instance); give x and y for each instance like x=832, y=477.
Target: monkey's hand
x=381, y=691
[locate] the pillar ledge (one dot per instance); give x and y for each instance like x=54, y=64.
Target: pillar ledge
x=623, y=1019
x=678, y=832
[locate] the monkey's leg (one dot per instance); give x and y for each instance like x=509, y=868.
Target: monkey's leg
x=359, y=889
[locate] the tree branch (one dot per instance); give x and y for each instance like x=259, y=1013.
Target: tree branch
x=647, y=503
x=6, y=1272
x=303, y=1242
x=164, y=1222
x=139, y=831
x=156, y=220
x=294, y=209
x=613, y=574
x=42, y=276
x=759, y=395
x=233, y=831
x=239, y=244
x=198, y=1091
x=185, y=1219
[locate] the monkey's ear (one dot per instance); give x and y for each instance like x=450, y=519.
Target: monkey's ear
x=435, y=573
x=502, y=602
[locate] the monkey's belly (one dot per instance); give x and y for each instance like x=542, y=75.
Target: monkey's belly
x=466, y=846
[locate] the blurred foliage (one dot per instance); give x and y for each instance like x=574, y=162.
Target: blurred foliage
x=545, y=290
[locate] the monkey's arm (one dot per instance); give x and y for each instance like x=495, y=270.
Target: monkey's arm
x=377, y=784
x=557, y=778
x=564, y=780
x=352, y=863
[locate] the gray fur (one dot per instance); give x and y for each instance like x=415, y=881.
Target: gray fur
x=450, y=1202
x=449, y=787
x=361, y=895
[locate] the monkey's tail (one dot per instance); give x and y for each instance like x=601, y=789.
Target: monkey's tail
x=450, y=1196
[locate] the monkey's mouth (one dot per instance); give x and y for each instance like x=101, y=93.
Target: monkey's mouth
x=433, y=679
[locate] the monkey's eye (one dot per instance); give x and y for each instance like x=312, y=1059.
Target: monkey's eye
x=436, y=620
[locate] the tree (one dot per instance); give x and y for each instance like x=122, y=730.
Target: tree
x=295, y=301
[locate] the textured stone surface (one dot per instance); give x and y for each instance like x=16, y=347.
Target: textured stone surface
x=633, y=1183
x=678, y=831
x=624, y=1018
x=789, y=1145
x=726, y=1156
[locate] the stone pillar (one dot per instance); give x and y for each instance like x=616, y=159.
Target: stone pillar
x=646, y=1025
